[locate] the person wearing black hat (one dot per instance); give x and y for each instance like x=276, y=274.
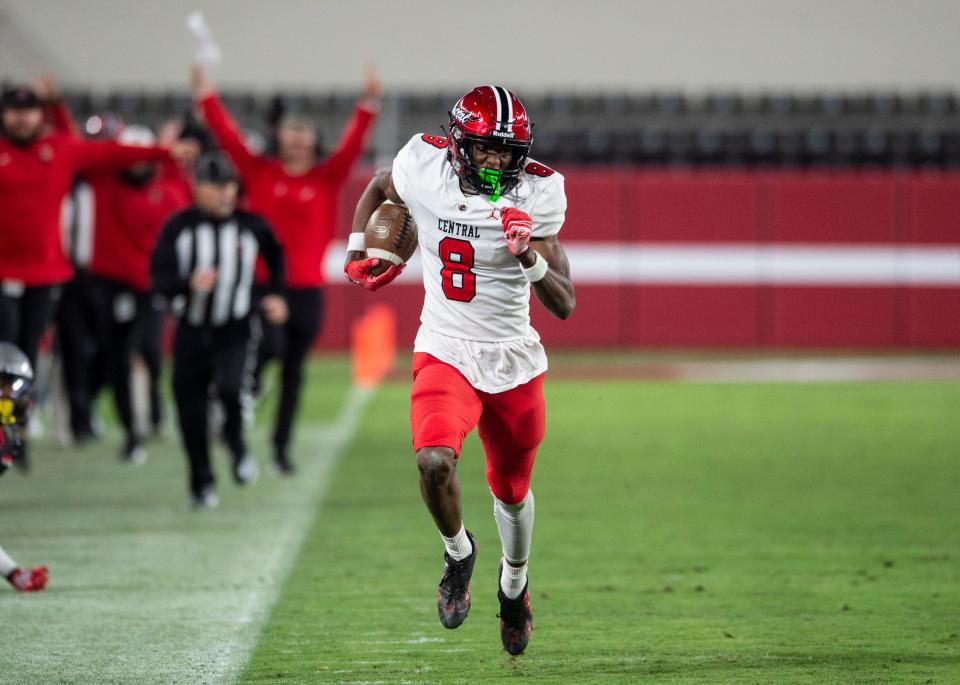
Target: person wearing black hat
x=37, y=168
x=204, y=263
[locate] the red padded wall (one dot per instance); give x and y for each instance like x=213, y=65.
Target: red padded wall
x=737, y=208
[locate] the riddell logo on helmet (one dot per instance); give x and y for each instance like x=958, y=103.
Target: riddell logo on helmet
x=503, y=134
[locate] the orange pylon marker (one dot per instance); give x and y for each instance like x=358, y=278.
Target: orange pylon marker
x=374, y=345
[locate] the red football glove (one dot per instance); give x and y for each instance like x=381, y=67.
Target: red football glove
x=29, y=579
x=517, y=227
x=358, y=271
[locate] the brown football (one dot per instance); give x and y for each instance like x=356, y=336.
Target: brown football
x=391, y=234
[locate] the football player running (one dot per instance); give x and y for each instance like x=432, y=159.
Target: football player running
x=488, y=221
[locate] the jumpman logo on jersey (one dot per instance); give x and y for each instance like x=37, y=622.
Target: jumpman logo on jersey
x=493, y=213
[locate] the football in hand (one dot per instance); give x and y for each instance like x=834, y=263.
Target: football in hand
x=391, y=235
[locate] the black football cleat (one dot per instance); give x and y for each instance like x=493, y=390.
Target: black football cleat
x=282, y=464
x=516, y=618
x=453, y=595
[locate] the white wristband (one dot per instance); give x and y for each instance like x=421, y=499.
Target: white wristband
x=356, y=243
x=537, y=271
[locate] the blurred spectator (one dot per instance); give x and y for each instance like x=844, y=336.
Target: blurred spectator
x=297, y=192
x=127, y=208
x=131, y=207
x=75, y=319
x=37, y=169
x=80, y=354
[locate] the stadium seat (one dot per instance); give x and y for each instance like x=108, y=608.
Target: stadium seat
x=883, y=128
x=927, y=147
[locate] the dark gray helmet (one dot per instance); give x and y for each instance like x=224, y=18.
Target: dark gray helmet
x=16, y=373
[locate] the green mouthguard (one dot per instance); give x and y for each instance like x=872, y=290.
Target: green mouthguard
x=492, y=176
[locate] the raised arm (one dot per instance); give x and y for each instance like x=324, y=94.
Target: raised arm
x=61, y=118
x=55, y=109
x=221, y=124
x=354, y=136
x=108, y=155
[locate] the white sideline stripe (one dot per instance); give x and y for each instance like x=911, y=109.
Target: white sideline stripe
x=142, y=590
x=227, y=663
x=595, y=263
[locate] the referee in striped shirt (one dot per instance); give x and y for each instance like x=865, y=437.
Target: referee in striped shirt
x=204, y=262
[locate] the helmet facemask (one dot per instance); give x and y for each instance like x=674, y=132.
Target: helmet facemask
x=13, y=396
x=481, y=180
x=16, y=377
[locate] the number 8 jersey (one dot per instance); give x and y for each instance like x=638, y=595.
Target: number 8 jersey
x=476, y=309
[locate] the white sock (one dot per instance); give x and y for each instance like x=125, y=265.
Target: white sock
x=7, y=565
x=459, y=546
x=513, y=579
x=515, y=524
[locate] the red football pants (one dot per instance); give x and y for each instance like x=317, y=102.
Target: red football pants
x=444, y=408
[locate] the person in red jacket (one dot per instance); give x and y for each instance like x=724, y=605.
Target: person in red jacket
x=36, y=170
x=297, y=192
x=131, y=207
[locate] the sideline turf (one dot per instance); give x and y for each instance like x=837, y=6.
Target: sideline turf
x=685, y=534
x=141, y=589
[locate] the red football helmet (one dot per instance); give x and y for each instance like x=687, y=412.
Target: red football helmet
x=494, y=116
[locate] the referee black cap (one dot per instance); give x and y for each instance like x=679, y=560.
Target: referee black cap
x=213, y=167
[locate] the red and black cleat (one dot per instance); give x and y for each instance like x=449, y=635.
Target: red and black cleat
x=453, y=595
x=516, y=618
x=29, y=579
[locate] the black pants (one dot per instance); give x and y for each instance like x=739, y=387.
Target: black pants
x=80, y=352
x=203, y=357
x=290, y=343
x=25, y=313
x=151, y=314
x=118, y=306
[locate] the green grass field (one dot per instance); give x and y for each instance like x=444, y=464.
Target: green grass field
x=686, y=533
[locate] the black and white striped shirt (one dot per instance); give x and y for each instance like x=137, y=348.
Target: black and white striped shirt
x=191, y=241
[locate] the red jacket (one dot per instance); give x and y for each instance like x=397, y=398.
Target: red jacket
x=127, y=221
x=301, y=209
x=33, y=182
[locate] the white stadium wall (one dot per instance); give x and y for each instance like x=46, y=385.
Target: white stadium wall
x=691, y=45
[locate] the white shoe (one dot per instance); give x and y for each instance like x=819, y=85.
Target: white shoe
x=246, y=470
x=137, y=456
x=206, y=500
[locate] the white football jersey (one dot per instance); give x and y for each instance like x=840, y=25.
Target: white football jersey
x=476, y=311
